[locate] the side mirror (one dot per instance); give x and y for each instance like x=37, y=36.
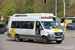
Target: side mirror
x=40, y=28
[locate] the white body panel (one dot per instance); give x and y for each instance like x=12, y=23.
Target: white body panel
x=23, y=31
x=28, y=31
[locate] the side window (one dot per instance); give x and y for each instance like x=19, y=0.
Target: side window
x=29, y=24
x=73, y=23
x=20, y=24
x=23, y=24
x=2, y=26
x=13, y=24
x=37, y=24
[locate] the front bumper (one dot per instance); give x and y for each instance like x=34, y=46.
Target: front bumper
x=51, y=37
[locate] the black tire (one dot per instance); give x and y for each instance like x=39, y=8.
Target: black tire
x=70, y=28
x=44, y=40
x=30, y=40
x=3, y=32
x=21, y=39
x=67, y=28
x=58, y=42
x=17, y=38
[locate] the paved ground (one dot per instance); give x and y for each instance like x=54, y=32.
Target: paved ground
x=7, y=43
x=69, y=32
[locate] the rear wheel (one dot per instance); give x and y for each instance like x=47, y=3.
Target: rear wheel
x=44, y=40
x=30, y=40
x=17, y=38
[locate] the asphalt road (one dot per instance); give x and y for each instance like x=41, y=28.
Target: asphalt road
x=7, y=43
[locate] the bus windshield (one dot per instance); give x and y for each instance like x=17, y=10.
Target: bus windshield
x=49, y=24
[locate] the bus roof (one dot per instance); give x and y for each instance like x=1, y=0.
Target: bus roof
x=46, y=20
x=41, y=14
x=35, y=14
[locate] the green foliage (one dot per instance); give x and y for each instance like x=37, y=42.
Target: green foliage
x=60, y=5
x=34, y=6
x=61, y=14
x=29, y=6
x=28, y=10
x=36, y=11
x=61, y=27
x=9, y=11
x=29, y=2
x=72, y=6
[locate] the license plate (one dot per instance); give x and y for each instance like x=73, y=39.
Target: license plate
x=59, y=39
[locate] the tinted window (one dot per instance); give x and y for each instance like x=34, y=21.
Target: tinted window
x=73, y=23
x=29, y=25
x=70, y=23
x=23, y=24
x=20, y=15
x=14, y=25
x=1, y=26
x=49, y=25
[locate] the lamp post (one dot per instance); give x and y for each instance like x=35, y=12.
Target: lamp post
x=64, y=16
x=56, y=8
x=64, y=8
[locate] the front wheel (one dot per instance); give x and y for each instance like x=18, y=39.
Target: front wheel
x=3, y=32
x=44, y=40
x=58, y=42
x=70, y=28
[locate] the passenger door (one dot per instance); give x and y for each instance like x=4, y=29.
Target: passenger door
x=38, y=31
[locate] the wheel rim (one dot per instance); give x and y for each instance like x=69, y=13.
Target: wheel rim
x=44, y=40
x=17, y=38
x=70, y=28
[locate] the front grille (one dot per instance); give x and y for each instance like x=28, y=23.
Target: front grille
x=58, y=34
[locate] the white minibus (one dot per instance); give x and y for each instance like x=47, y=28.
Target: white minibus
x=34, y=28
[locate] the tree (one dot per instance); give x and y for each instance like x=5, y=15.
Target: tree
x=29, y=6
x=61, y=14
x=35, y=6
x=28, y=10
x=9, y=11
